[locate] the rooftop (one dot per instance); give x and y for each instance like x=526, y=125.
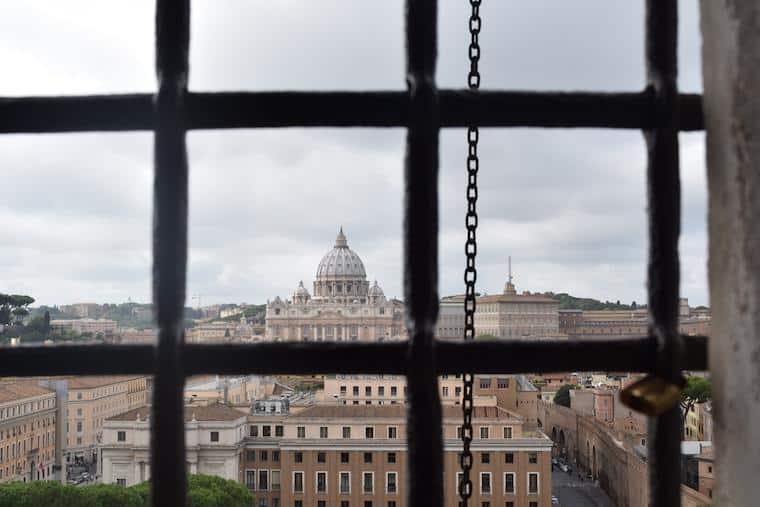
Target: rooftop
x=99, y=381
x=216, y=412
x=21, y=390
x=398, y=411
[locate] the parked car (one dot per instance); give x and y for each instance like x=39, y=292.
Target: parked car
x=555, y=500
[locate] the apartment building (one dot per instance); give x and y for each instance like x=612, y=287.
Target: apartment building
x=214, y=436
x=92, y=400
x=27, y=432
x=348, y=455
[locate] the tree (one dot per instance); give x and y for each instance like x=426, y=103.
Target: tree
x=562, y=396
x=486, y=337
x=14, y=304
x=698, y=390
x=202, y=491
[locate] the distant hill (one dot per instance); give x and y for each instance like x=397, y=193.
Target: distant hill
x=568, y=302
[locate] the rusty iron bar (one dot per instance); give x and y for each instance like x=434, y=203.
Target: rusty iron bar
x=664, y=203
x=483, y=356
x=170, y=208
x=424, y=433
x=458, y=108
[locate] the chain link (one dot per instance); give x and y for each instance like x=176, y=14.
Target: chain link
x=471, y=250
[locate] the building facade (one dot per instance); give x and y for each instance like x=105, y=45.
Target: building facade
x=81, y=326
x=342, y=306
x=213, y=441
x=27, y=432
x=91, y=401
x=356, y=456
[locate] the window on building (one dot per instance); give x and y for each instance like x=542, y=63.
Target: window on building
x=369, y=432
x=253, y=431
x=507, y=431
x=355, y=390
x=368, y=391
x=394, y=391
x=390, y=482
x=279, y=430
x=275, y=480
x=509, y=457
x=509, y=483
x=368, y=482
x=368, y=457
x=297, y=482
x=298, y=457
x=344, y=480
x=345, y=503
x=485, y=504
x=509, y=504
x=301, y=431
x=533, y=483
x=484, y=432
x=263, y=480
x=485, y=458
x=321, y=503
x=381, y=391
x=533, y=457
x=263, y=455
x=533, y=504
x=485, y=383
x=250, y=479
x=214, y=436
x=367, y=503
x=391, y=503
x=502, y=383
x=445, y=391
x=266, y=431
x=391, y=457
x=120, y=481
x=344, y=457
x=485, y=483
x=323, y=432
x=121, y=436
x=392, y=432
x=321, y=457
x=321, y=482
x=346, y=431
x=79, y=426
x=297, y=503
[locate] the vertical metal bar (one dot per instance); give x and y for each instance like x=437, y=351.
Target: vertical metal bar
x=664, y=200
x=421, y=256
x=170, y=196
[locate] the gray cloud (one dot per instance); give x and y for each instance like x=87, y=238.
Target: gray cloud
x=569, y=206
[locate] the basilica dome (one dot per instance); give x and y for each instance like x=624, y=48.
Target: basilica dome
x=341, y=262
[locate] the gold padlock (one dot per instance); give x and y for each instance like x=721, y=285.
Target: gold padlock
x=652, y=395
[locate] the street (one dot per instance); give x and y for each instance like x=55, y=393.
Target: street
x=574, y=493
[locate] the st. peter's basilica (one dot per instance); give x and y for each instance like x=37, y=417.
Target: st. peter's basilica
x=342, y=306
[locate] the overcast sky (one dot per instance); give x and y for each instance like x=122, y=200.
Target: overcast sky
x=568, y=206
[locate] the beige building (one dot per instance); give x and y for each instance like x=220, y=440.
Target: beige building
x=213, y=440
x=341, y=307
x=93, y=326
x=513, y=315
x=91, y=310
x=605, y=324
x=27, y=432
x=511, y=392
x=92, y=400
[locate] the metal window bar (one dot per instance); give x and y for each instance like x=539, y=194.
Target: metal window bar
x=658, y=110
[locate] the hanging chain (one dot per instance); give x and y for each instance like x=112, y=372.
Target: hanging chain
x=470, y=274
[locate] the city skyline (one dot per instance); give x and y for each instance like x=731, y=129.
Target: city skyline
x=568, y=206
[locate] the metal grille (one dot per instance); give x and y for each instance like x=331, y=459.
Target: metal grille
x=659, y=111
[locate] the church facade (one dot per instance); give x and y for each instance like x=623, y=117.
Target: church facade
x=342, y=305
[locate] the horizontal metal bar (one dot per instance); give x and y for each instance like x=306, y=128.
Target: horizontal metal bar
x=459, y=108
x=29, y=361
x=481, y=356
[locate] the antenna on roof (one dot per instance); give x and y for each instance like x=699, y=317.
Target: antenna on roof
x=510, y=268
